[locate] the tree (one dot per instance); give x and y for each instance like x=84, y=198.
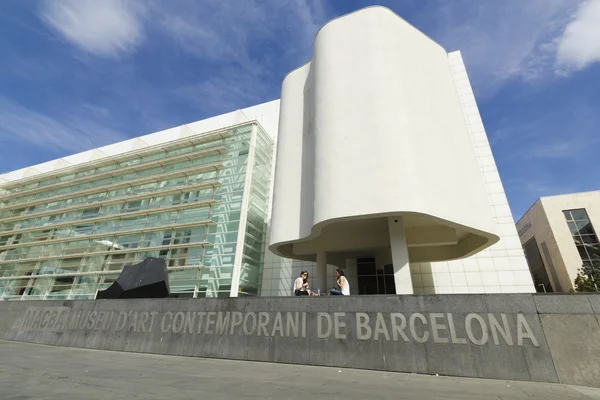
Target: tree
x=588, y=278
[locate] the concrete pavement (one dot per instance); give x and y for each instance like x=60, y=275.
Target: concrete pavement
x=29, y=371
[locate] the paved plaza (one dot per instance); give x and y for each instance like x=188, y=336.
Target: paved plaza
x=32, y=372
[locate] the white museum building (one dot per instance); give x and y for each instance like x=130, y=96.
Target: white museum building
x=375, y=160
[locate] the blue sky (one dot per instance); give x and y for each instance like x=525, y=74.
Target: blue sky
x=79, y=74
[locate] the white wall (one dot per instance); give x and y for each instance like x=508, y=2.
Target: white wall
x=501, y=268
x=373, y=127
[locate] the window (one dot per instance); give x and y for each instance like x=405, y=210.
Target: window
x=584, y=236
x=134, y=205
x=70, y=264
x=375, y=279
x=4, y=240
x=90, y=213
x=81, y=230
x=129, y=242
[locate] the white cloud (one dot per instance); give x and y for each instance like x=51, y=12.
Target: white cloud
x=579, y=45
x=74, y=131
x=104, y=27
x=500, y=40
x=247, y=46
x=228, y=30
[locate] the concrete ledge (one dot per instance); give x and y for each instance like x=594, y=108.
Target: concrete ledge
x=547, y=338
x=563, y=304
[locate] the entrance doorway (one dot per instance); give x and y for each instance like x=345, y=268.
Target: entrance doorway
x=373, y=278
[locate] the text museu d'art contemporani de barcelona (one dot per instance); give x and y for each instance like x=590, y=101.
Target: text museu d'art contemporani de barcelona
x=464, y=328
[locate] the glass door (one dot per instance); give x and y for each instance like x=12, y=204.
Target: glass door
x=373, y=278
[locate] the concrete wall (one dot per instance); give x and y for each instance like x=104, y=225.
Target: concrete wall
x=548, y=338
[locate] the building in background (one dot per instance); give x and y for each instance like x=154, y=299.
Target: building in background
x=195, y=195
x=558, y=234
x=201, y=195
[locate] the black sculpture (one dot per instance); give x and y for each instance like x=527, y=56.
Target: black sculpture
x=146, y=280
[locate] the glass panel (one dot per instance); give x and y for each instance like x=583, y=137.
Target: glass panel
x=582, y=252
x=584, y=227
x=589, y=239
x=215, y=281
x=579, y=214
x=573, y=228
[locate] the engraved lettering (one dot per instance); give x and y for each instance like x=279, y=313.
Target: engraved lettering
x=413, y=330
x=143, y=319
x=153, y=315
x=222, y=323
x=436, y=327
x=277, y=325
x=303, y=324
x=132, y=321
x=250, y=315
x=74, y=319
x=45, y=319
x=209, y=322
x=503, y=329
x=263, y=321
x=291, y=324
x=107, y=320
x=28, y=320
x=83, y=320
x=37, y=320
x=53, y=319
x=236, y=320
x=190, y=319
x=201, y=315
x=469, y=326
x=320, y=333
x=121, y=320
x=398, y=330
x=62, y=320
x=524, y=331
x=178, y=321
x=91, y=320
x=166, y=328
x=380, y=328
x=338, y=325
x=453, y=337
x=363, y=330
x=99, y=320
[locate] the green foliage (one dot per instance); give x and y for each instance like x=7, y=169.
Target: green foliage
x=588, y=279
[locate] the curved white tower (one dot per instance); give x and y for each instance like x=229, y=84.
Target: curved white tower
x=374, y=153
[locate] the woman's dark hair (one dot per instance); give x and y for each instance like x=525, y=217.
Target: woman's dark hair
x=340, y=271
x=302, y=274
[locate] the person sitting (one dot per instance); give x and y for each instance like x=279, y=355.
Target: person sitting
x=301, y=285
x=343, y=287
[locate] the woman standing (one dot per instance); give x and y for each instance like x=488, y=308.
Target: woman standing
x=342, y=284
x=301, y=285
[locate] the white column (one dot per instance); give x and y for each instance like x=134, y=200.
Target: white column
x=321, y=272
x=402, y=276
x=241, y=237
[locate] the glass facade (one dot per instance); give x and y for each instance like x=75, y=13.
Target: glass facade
x=68, y=234
x=584, y=236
